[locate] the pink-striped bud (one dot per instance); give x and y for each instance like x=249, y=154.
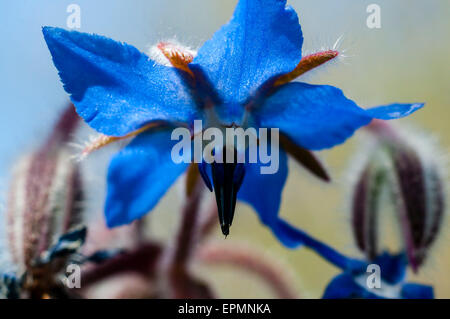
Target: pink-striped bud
x=412, y=176
x=44, y=196
x=421, y=202
x=365, y=209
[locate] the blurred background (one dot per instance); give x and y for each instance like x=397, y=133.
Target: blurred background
x=406, y=60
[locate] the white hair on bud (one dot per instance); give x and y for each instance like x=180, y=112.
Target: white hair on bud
x=367, y=147
x=427, y=147
x=156, y=55
x=16, y=211
x=59, y=195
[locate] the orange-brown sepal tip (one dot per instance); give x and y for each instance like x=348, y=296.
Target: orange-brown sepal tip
x=306, y=64
x=102, y=140
x=178, y=56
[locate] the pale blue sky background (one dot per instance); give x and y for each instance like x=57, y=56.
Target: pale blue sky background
x=407, y=60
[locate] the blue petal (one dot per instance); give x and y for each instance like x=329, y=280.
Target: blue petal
x=417, y=291
x=206, y=174
x=393, y=267
x=263, y=193
x=394, y=111
x=297, y=236
x=319, y=116
x=139, y=176
x=343, y=286
x=116, y=88
x=262, y=40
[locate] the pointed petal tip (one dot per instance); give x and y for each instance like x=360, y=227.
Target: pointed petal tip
x=48, y=31
x=416, y=106
x=420, y=105
x=394, y=111
x=112, y=221
x=115, y=219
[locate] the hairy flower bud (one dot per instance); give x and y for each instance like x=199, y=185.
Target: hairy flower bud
x=44, y=196
x=421, y=207
x=365, y=209
x=412, y=177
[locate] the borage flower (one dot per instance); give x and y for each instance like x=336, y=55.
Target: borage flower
x=392, y=283
x=383, y=277
x=241, y=77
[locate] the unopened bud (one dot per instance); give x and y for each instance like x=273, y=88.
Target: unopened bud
x=421, y=202
x=365, y=208
x=44, y=196
x=413, y=179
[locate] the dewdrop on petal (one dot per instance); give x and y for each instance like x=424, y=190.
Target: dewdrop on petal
x=414, y=179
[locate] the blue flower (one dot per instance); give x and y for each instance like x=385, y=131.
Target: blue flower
x=393, y=285
x=240, y=77
x=353, y=281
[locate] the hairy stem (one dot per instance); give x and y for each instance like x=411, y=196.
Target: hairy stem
x=175, y=261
